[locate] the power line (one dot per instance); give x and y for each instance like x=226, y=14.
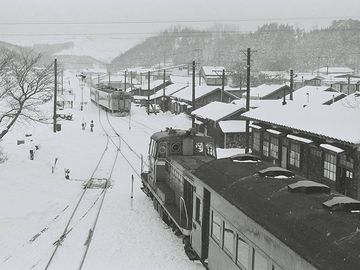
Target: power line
x=173, y=21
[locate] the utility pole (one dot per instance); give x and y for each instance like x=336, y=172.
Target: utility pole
x=163, y=97
x=148, y=103
x=291, y=83
x=99, y=81
x=222, y=85
x=193, y=94
x=109, y=79
x=131, y=83
x=248, y=54
x=55, y=94
x=348, y=77
x=125, y=82
x=199, y=76
x=62, y=81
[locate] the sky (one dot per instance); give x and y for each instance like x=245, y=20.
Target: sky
x=114, y=26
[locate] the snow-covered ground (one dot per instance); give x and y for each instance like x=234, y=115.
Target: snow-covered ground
x=36, y=203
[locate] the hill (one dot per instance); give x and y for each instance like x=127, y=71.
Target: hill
x=278, y=47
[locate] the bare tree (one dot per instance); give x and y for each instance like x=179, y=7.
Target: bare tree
x=28, y=85
x=5, y=60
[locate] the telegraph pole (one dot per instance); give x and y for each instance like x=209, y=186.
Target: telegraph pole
x=125, y=82
x=248, y=55
x=222, y=85
x=163, y=97
x=193, y=95
x=291, y=83
x=55, y=94
x=148, y=103
x=131, y=83
x=109, y=79
x=62, y=81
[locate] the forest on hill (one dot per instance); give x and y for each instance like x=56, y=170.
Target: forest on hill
x=276, y=47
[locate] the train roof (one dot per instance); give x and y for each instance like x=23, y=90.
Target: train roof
x=326, y=239
x=179, y=133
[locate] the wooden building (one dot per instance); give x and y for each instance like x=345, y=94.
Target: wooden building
x=222, y=122
x=319, y=142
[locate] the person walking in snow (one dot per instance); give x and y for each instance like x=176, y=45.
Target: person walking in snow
x=92, y=126
x=83, y=125
x=67, y=174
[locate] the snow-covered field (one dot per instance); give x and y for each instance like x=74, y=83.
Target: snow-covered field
x=36, y=203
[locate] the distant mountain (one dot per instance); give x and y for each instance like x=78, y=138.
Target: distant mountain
x=275, y=46
x=52, y=51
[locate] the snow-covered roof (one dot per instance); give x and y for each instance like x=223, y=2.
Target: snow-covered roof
x=307, y=77
x=256, y=103
x=212, y=70
x=170, y=89
x=263, y=90
x=217, y=110
x=186, y=93
x=233, y=126
x=153, y=84
x=314, y=95
x=351, y=101
x=332, y=122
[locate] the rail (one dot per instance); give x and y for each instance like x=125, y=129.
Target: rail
x=183, y=204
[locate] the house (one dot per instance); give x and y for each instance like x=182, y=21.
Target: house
x=204, y=94
x=268, y=91
x=318, y=142
x=222, y=122
x=213, y=75
x=305, y=79
x=163, y=96
x=316, y=95
x=346, y=83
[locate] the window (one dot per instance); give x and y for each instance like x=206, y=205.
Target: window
x=216, y=227
x=266, y=145
x=274, y=147
x=260, y=261
x=256, y=140
x=198, y=210
x=175, y=148
x=162, y=149
x=349, y=174
x=315, y=152
x=199, y=147
x=228, y=239
x=294, y=159
x=210, y=149
x=330, y=166
x=346, y=161
x=242, y=253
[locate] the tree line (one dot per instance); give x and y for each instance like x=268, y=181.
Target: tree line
x=278, y=47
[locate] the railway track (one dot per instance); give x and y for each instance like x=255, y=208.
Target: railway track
x=75, y=240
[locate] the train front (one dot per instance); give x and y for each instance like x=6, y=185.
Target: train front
x=172, y=155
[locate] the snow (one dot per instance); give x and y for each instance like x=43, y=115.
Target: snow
x=186, y=93
x=299, y=139
x=314, y=95
x=332, y=122
x=331, y=148
x=228, y=152
x=232, y=126
x=217, y=110
x=38, y=203
x=273, y=131
x=212, y=70
x=263, y=90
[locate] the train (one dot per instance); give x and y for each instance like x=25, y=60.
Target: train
x=111, y=99
x=244, y=213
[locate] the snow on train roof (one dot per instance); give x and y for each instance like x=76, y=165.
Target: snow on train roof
x=298, y=220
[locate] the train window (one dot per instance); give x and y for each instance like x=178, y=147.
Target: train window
x=199, y=147
x=228, y=239
x=175, y=148
x=260, y=261
x=198, y=210
x=216, y=227
x=162, y=150
x=243, y=250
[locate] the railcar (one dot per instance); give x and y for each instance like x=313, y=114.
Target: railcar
x=243, y=213
x=111, y=99
x=251, y=215
x=172, y=155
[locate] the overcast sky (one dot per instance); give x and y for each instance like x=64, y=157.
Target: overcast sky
x=93, y=19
